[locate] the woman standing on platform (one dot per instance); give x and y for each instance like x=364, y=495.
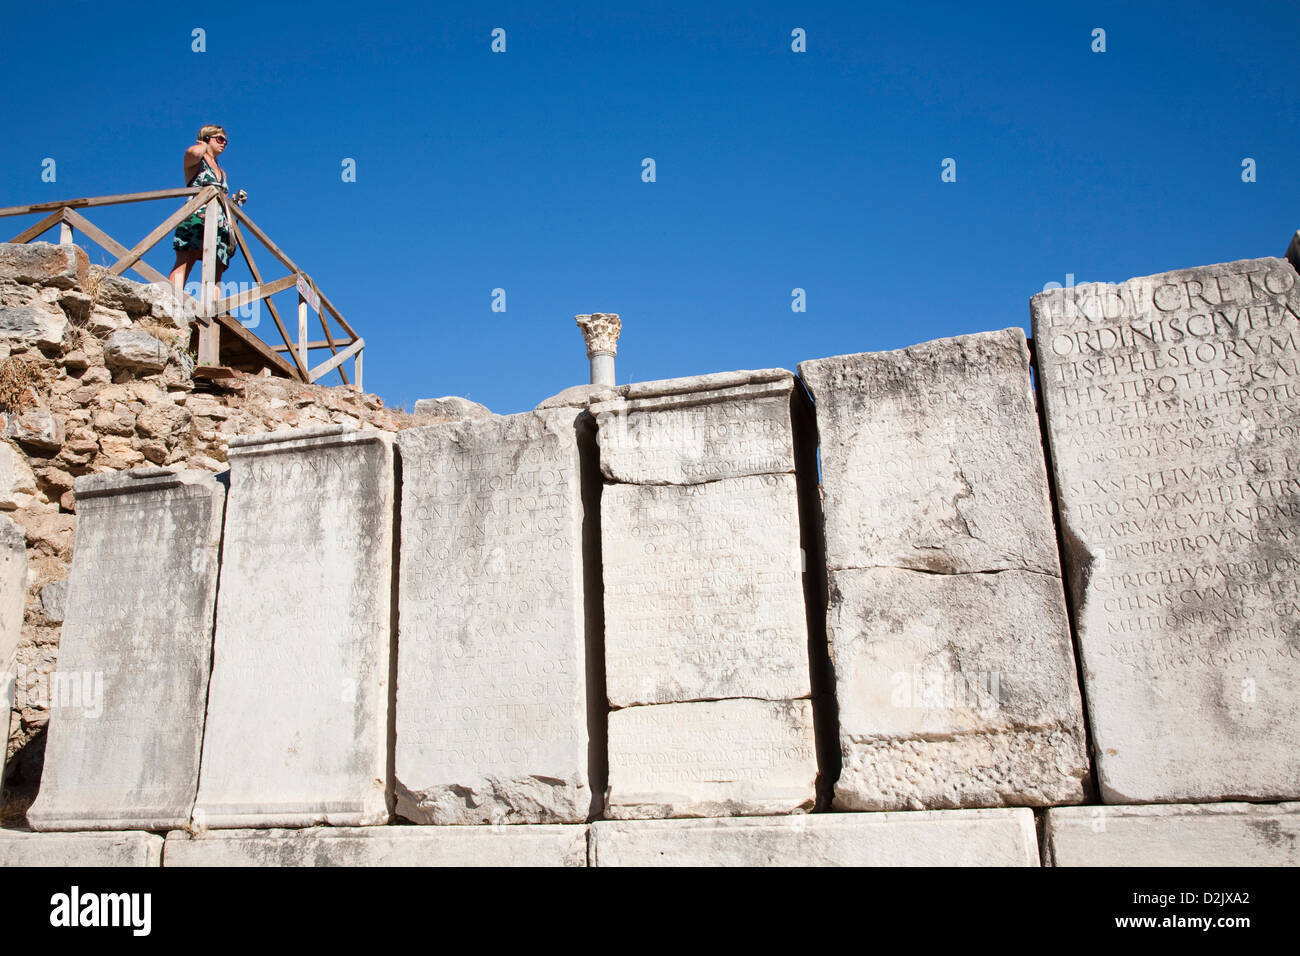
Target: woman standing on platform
x=202, y=169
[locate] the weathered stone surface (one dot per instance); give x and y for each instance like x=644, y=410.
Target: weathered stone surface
x=106, y=320
x=1217, y=834
x=706, y=635
x=713, y=758
x=580, y=396
x=13, y=588
x=1293, y=251
x=118, y=292
x=76, y=304
x=162, y=420
x=954, y=690
x=1175, y=434
x=135, y=349
x=32, y=323
x=17, y=483
x=8, y=686
x=20, y=848
x=164, y=303
x=54, y=600
x=955, y=675
x=35, y=428
x=703, y=591
x=698, y=429
x=492, y=686
x=451, y=406
x=127, y=708
x=43, y=263
x=297, y=710
x=934, y=838
x=382, y=846
x=932, y=457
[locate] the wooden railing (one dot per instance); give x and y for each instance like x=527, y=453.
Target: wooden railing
x=213, y=314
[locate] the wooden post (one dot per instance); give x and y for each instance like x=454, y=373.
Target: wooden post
x=209, y=331
x=65, y=234
x=302, y=329
x=356, y=369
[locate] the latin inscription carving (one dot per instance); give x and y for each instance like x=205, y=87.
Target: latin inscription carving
x=1172, y=410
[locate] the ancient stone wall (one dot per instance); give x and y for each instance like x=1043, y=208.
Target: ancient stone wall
x=95, y=378
x=1003, y=621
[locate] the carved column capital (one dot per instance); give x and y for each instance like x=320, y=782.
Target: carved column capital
x=601, y=330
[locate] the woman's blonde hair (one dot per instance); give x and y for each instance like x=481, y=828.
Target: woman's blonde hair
x=209, y=131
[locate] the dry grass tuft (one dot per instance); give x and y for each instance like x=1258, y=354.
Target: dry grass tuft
x=91, y=287
x=18, y=376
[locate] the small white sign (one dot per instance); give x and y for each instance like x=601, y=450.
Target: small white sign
x=307, y=292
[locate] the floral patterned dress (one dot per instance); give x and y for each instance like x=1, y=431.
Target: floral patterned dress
x=189, y=234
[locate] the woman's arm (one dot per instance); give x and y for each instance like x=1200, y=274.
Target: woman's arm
x=193, y=159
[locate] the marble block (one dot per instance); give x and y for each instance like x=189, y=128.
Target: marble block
x=703, y=591
x=492, y=654
x=19, y=848
x=954, y=669
x=711, y=758
x=1003, y=837
x=127, y=699
x=1184, y=834
x=1173, y=412
x=298, y=712
x=404, y=846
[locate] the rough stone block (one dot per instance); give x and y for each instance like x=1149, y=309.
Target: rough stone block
x=34, y=428
x=705, y=618
x=13, y=588
x=933, y=838
x=128, y=697
x=43, y=263
x=452, y=407
x=102, y=849
x=535, y=845
x=54, y=601
x=1189, y=834
x=954, y=690
x=492, y=722
x=711, y=758
x=17, y=483
x=32, y=323
x=955, y=674
x=702, y=428
x=297, y=725
x=1173, y=410
x=703, y=591
x=932, y=458
x=8, y=686
x=136, y=350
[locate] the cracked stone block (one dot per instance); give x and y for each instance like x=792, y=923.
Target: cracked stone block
x=703, y=591
x=954, y=670
x=492, y=682
x=524, y=845
x=103, y=849
x=711, y=759
x=127, y=700
x=1185, y=834
x=297, y=722
x=1003, y=837
x=1173, y=411
x=706, y=632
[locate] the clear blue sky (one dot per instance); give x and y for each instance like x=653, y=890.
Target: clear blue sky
x=775, y=169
